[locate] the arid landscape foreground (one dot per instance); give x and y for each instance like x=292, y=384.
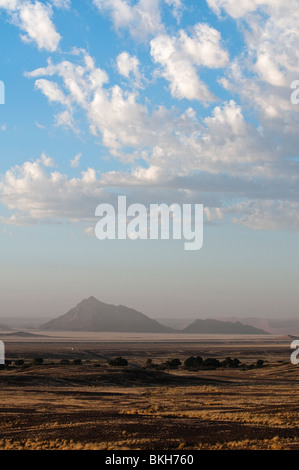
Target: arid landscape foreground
x=63, y=392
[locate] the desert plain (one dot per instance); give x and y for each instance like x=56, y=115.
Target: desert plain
x=60, y=391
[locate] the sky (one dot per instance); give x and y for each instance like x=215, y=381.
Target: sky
x=164, y=101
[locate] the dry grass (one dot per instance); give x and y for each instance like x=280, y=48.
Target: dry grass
x=101, y=408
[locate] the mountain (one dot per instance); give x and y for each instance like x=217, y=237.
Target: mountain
x=93, y=315
x=221, y=327
x=274, y=326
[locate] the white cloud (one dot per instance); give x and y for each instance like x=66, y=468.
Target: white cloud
x=90, y=231
x=268, y=214
x=128, y=66
x=218, y=160
x=143, y=19
x=63, y=4
x=238, y=9
x=273, y=35
x=39, y=125
x=117, y=115
x=47, y=161
x=33, y=194
x=75, y=163
x=180, y=56
x=9, y=4
x=51, y=90
x=34, y=19
x=177, y=7
x=65, y=119
x=163, y=138
x=261, y=76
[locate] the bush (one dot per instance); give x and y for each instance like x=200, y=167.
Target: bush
x=77, y=362
x=211, y=363
x=118, y=362
x=172, y=363
x=193, y=363
x=228, y=362
x=19, y=362
x=38, y=361
x=260, y=363
x=150, y=364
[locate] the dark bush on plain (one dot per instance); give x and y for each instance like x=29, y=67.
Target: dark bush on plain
x=38, y=361
x=118, y=362
x=77, y=362
x=193, y=363
x=19, y=362
x=172, y=363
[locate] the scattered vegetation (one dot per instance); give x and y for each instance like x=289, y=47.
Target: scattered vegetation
x=201, y=409
x=118, y=362
x=192, y=363
x=38, y=361
x=196, y=363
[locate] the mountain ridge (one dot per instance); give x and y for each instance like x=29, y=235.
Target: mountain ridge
x=211, y=326
x=92, y=315
x=95, y=316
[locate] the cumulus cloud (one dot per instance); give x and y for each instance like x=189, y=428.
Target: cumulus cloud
x=9, y=4
x=170, y=143
x=238, y=9
x=181, y=55
x=143, y=18
x=35, y=22
x=64, y=4
x=263, y=76
x=128, y=66
x=268, y=214
x=75, y=163
x=233, y=159
x=33, y=194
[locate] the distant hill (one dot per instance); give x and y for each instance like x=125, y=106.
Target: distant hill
x=282, y=326
x=288, y=337
x=221, y=327
x=23, y=334
x=95, y=316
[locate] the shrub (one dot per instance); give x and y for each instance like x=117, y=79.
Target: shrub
x=77, y=362
x=193, y=363
x=150, y=364
x=118, y=362
x=19, y=362
x=260, y=363
x=228, y=362
x=211, y=363
x=38, y=361
x=173, y=363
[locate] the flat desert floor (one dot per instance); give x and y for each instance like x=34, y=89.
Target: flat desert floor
x=77, y=400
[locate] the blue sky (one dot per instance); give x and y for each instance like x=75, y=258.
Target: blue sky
x=175, y=101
